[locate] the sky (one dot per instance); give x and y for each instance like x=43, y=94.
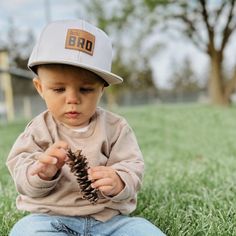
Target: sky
x=32, y=14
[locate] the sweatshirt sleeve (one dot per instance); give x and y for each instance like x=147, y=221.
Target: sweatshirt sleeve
x=126, y=158
x=22, y=155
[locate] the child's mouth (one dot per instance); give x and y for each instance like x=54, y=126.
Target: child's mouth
x=72, y=114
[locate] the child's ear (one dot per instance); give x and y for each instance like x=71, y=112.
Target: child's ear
x=102, y=91
x=38, y=86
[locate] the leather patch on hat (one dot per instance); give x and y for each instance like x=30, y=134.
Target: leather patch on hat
x=80, y=40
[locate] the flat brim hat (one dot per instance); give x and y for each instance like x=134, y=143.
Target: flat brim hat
x=76, y=43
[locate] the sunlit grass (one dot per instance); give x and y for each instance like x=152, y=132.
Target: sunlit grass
x=190, y=178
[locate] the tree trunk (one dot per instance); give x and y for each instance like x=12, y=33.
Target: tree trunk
x=216, y=83
x=230, y=87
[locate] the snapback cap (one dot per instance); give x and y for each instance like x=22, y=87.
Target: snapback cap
x=76, y=43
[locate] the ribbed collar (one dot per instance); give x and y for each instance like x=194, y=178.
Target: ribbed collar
x=74, y=133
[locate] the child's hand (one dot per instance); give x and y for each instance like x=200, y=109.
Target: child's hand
x=106, y=180
x=50, y=161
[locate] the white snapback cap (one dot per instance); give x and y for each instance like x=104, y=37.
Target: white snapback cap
x=76, y=43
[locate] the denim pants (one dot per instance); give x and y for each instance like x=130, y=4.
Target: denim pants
x=46, y=225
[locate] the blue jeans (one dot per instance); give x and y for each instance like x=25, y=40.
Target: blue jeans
x=46, y=225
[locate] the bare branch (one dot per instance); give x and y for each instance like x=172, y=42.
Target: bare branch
x=227, y=29
x=189, y=22
x=198, y=42
x=209, y=28
x=219, y=11
x=191, y=32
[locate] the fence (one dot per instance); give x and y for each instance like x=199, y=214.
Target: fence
x=16, y=106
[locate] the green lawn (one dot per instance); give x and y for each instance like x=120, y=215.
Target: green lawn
x=190, y=180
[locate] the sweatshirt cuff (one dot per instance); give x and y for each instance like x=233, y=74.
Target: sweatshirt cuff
x=125, y=192
x=38, y=184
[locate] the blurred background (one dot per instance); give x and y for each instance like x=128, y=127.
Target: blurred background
x=178, y=61
x=166, y=51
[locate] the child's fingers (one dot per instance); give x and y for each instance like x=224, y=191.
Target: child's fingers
x=106, y=180
x=53, y=156
x=106, y=189
x=58, y=153
x=99, y=168
x=46, y=159
x=100, y=172
x=36, y=168
x=103, y=182
x=98, y=175
x=60, y=144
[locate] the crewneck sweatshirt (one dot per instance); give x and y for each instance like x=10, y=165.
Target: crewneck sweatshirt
x=108, y=141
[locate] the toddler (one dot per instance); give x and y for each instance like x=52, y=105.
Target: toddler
x=72, y=65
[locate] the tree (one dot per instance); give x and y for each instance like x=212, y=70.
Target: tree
x=123, y=23
x=183, y=80
x=209, y=26
x=19, y=45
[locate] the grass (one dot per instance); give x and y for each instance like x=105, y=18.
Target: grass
x=190, y=179
x=8, y=213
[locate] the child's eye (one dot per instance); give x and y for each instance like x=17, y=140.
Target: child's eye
x=59, y=90
x=86, y=90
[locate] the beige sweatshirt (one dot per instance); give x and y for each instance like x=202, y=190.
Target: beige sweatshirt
x=109, y=141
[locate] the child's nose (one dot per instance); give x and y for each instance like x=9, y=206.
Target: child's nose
x=73, y=97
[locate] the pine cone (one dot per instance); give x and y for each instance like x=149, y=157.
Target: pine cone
x=79, y=166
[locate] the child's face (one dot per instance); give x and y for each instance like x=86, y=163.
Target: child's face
x=71, y=94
